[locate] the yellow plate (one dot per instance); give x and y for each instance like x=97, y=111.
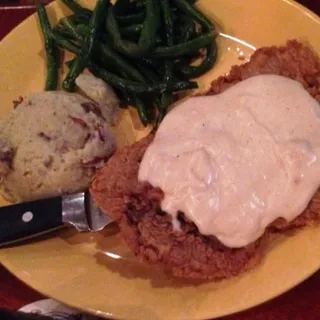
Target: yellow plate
x=95, y=272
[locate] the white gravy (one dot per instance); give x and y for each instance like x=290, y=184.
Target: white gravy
x=237, y=161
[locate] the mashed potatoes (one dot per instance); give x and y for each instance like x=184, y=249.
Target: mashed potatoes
x=52, y=142
x=99, y=91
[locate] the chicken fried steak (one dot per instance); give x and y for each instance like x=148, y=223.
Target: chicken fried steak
x=148, y=230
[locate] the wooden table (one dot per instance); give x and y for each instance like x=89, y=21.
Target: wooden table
x=301, y=303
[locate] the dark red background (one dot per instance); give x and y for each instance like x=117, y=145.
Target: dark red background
x=301, y=303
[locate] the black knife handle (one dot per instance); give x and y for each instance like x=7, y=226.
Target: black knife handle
x=26, y=219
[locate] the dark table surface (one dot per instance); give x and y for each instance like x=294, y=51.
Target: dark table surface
x=300, y=303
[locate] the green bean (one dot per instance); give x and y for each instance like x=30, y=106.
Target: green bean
x=148, y=73
x=62, y=30
x=77, y=8
x=87, y=45
x=51, y=49
x=105, y=52
x=159, y=41
x=167, y=97
x=64, y=42
x=107, y=56
x=197, y=15
x=168, y=23
x=152, y=63
x=83, y=29
x=156, y=71
x=127, y=98
x=135, y=87
x=122, y=7
x=138, y=103
x=207, y=25
x=69, y=63
x=166, y=100
x=140, y=3
x=150, y=25
x=77, y=19
x=147, y=39
x=156, y=66
x=123, y=46
x=187, y=30
x=135, y=18
x=131, y=31
x=184, y=48
x=205, y=65
x=141, y=109
x=71, y=27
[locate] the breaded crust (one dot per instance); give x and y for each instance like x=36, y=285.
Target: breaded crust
x=136, y=206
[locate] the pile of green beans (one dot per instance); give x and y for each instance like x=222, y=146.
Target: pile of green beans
x=144, y=49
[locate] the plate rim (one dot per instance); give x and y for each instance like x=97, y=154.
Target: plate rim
x=26, y=281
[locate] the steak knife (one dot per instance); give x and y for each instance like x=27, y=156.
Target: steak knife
x=22, y=221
